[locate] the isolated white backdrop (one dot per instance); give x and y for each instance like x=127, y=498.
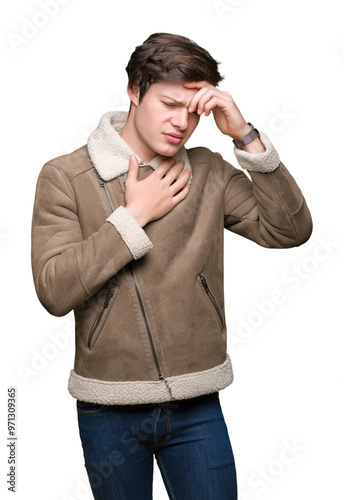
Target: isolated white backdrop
x=63, y=67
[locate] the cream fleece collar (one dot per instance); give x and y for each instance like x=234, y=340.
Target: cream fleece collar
x=109, y=153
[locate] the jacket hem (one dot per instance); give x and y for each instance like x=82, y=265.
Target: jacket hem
x=172, y=388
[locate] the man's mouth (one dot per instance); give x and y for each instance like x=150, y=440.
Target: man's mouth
x=174, y=138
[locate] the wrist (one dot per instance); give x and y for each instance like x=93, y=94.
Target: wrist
x=256, y=146
x=242, y=132
x=250, y=141
x=137, y=214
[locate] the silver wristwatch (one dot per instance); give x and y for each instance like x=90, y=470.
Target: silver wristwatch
x=240, y=143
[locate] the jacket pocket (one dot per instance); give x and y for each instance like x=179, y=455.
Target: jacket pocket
x=212, y=299
x=108, y=297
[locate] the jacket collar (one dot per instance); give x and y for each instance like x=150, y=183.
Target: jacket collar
x=109, y=153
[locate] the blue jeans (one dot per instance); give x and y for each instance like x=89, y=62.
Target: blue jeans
x=189, y=439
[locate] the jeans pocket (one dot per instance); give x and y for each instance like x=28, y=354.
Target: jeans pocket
x=89, y=408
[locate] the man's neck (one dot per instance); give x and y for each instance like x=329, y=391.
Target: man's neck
x=129, y=135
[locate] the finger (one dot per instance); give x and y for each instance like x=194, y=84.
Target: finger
x=205, y=99
x=210, y=100
x=210, y=105
x=195, y=99
x=181, y=182
x=164, y=166
x=133, y=168
x=181, y=195
x=174, y=172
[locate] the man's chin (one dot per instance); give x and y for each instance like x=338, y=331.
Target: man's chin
x=170, y=150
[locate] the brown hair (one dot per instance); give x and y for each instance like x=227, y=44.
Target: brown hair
x=168, y=57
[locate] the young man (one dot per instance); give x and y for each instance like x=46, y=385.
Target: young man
x=128, y=231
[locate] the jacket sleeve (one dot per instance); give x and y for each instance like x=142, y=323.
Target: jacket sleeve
x=269, y=210
x=68, y=269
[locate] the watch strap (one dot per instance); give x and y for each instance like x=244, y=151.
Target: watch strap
x=240, y=143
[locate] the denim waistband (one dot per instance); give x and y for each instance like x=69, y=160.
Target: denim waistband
x=186, y=402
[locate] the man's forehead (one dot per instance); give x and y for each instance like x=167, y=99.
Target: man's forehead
x=175, y=91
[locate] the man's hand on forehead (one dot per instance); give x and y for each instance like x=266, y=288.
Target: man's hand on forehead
x=209, y=99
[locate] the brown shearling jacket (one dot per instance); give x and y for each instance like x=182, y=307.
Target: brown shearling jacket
x=149, y=302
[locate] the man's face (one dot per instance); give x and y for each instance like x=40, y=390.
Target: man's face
x=161, y=121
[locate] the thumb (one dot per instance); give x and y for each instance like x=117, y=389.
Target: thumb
x=133, y=168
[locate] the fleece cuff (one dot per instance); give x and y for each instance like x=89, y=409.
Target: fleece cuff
x=259, y=162
x=131, y=232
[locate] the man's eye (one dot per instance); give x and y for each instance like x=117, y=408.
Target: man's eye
x=169, y=105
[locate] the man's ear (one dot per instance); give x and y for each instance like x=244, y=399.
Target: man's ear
x=134, y=94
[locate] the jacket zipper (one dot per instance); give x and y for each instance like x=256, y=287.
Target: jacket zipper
x=211, y=297
x=147, y=325
x=102, y=185
x=100, y=315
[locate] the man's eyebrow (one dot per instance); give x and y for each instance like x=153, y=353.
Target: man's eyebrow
x=174, y=100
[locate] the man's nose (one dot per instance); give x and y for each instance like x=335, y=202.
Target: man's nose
x=180, y=118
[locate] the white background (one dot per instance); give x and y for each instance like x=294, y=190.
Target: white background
x=284, y=64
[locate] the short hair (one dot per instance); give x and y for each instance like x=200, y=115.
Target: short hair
x=169, y=57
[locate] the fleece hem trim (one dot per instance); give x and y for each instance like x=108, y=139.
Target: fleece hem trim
x=259, y=162
x=131, y=232
x=184, y=386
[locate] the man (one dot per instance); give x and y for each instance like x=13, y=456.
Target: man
x=128, y=231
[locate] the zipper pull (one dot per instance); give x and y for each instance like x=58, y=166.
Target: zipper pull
x=108, y=296
x=100, y=180
x=204, y=281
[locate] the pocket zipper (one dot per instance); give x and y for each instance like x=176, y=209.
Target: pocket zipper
x=212, y=298
x=106, y=301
